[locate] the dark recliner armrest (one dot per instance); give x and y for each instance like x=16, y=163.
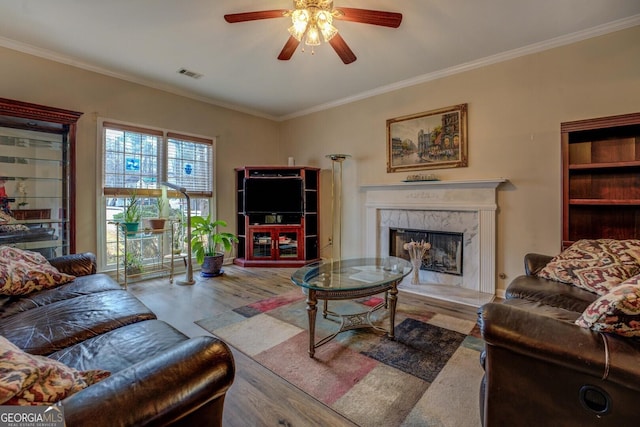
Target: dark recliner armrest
x=535, y=262
x=82, y=264
x=171, y=388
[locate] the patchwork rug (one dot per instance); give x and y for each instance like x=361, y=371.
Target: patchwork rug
x=428, y=376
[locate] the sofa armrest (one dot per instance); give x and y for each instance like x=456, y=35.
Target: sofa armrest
x=535, y=262
x=160, y=390
x=76, y=264
x=561, y=343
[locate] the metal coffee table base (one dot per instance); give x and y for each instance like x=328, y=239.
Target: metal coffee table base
x=350, y=321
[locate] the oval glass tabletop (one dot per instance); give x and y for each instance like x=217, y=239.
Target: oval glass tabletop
x=351, y=274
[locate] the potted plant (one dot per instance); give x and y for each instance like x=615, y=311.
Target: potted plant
x=132, y=214
x=132, y=264
x=159, y=222
x=209, y=245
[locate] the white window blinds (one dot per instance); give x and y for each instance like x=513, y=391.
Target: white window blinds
x=189, y=163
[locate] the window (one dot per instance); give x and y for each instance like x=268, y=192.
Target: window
x=138, y=160
x=189, y=164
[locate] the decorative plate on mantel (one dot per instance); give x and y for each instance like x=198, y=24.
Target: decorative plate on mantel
x=421, y=177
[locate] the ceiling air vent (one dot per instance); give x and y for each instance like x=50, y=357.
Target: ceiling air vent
x=189, y=73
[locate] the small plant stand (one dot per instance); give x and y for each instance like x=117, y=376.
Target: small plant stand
x=144, y=254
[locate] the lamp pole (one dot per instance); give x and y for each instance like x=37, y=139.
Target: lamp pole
x=336, y=204
x=189, y=278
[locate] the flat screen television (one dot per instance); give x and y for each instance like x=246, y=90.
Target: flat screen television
x=273, y=195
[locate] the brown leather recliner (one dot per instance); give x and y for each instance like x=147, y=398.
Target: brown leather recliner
x=542, y=369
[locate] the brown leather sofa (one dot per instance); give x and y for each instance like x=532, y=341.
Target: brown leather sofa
x=541, y=369
x=159, y=376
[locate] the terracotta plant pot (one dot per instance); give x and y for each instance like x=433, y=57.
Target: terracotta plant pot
x=157, y=223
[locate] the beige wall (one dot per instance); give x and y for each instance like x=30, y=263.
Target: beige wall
x=241, y=139
x=515, y=111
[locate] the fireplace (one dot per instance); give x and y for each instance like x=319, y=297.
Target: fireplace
x=445, y=255
x=462, y=211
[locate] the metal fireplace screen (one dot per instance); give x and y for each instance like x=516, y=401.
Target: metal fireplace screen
x=445, y=255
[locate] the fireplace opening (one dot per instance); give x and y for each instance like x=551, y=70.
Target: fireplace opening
x=445, y=255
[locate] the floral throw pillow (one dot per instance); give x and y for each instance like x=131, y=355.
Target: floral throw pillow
x=595, y=265
x=23, y=272
x=27, y=379
x=617, y=312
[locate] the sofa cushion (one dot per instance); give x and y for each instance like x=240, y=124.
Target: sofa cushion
x=52, y=327
x=23, y=272
x=617, y=312
x=123, y=347
x=595, y=265
x=26, y=379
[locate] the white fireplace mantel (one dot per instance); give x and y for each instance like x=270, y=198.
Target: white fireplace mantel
x=463, y=195
x=412, y=201
x=474, y=183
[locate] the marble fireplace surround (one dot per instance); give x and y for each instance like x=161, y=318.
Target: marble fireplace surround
x=468, y=207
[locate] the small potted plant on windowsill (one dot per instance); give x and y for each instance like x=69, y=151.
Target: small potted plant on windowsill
x=132, y=214
x=209, y=245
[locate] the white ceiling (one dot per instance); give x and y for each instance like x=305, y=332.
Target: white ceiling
x=148, y=41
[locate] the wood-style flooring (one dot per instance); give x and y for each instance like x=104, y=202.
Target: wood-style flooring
x=257, y=397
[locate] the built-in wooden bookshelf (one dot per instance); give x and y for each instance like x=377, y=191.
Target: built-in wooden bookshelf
x=601, y=178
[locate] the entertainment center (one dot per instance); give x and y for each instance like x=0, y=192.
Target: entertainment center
x=277, y=215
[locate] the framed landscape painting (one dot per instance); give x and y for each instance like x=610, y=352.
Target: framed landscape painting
x=435, y=139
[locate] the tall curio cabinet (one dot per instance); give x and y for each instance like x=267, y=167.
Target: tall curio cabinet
x=37, y=177
x=277, y=215
x=601, y=178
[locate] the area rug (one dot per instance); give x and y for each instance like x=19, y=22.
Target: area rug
x=428, y=376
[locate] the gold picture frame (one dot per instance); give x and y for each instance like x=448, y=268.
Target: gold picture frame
x=435, y=139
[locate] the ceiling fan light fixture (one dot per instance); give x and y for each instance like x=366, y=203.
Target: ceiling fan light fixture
x=324, y=20
x=310, y=19
x=300, y=21
x=328, y=31
x=312, y=22
x=297, y=32
x=300, y=17
x=313, y=36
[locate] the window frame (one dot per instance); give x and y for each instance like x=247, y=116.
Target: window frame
x=104, y=193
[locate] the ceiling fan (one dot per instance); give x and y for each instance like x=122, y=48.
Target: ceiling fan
x=313, y=20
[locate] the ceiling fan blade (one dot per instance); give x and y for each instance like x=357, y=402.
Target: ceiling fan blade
x=373, y=17
x=253, y=16
x=289, y=49
x=342, y=49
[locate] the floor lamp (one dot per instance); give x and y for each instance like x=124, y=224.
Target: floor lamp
x=189, y=278
x=336, y=203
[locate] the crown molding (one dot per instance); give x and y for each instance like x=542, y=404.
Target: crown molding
x=564, y=40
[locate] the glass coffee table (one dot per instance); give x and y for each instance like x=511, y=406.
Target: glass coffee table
x=351, y=279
